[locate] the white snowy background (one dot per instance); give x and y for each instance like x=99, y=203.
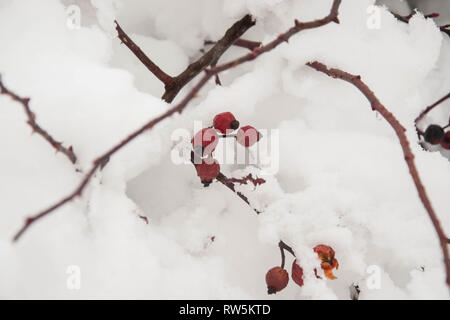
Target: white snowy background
x=341, y=181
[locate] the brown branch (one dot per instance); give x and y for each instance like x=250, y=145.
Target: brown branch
x=408, y=155
x=178, y=108
x=243, y=43
x=151, y=66
x=68, y=152
x=428, y=109
x=209, y=58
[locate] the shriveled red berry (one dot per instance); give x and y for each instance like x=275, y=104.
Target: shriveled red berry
x=297, y=273
x=207, y=170
x=445, y=142
x=225, y=121
x=276, y=279
x=433, y=134
x=247, y=136
x=329, y=262
x=205, y=141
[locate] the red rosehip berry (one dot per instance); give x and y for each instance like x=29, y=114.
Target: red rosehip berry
x=297, y=273
x=276, y=279
x=205, y=141
x=225, y=121
x=433, y=134
x=445, y=142
x=247, y=136
x=207, y=170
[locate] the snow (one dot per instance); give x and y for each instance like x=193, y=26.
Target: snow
x=341, y=178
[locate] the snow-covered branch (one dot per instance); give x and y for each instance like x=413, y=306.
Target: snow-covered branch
x=173, y=85
x=25, y=102
x=179, y=107
x=408, y=155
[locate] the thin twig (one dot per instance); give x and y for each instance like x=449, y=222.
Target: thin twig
x=428, y=109
x=151, y=66
x=178, y=108
x=25, y=102
x=408, y=155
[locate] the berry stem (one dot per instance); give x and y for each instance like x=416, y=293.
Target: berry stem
x=283, y=246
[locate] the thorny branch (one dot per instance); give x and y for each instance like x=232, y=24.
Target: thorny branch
x=409, y=156
x=25, y=102
x=179, y=107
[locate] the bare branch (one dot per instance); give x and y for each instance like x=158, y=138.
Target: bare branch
x=25, y=102
x=400, y=132
x=178, y=108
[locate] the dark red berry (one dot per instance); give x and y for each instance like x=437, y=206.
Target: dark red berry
x=297, y=273
x=276, y=279
x=207, y=170
x=247, y=136
x=225, y=121
x=445, y=142
x=433, y=134
x=205, y=141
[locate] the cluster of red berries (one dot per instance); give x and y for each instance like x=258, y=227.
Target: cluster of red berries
x=435, y=134
x=277, y=278
x=206, y=140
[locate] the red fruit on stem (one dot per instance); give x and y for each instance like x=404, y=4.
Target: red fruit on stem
x=247, y=136
x=207, y=170
x=297, y=273
x=225, y=121
x=276, y=279
x=445, y=142
x=205, y=141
